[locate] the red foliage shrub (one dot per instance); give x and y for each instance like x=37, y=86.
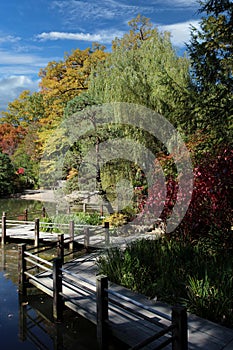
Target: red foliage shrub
x=211, y=203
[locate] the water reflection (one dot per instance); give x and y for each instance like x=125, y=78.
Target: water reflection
x=27, y=324
x=36, y=324
x=14, y=207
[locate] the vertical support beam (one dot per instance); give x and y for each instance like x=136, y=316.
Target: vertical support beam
x=58, y=341
x=107, y=238
x=21, y=269
x=22, y=318
x=25, y=215
x=101, y=210
x=43, y=212
x=37, y=232
x=102, y=311
x=86, y=238
x=60, y=247
x=71, y=230
x=84, y=207
x=4, y=239
x=180, y=332
x=57, y=290
x=3, y=262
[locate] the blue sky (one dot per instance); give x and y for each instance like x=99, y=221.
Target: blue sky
x=34, y=32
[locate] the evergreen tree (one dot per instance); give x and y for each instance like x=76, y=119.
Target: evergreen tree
x=211, y=54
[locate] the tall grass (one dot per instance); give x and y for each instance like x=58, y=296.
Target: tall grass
x=194, y=274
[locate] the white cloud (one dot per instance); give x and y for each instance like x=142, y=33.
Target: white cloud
x=9, y=39
x=180, y=32
x=102, y=36
x=95, y=10
x=12, y=62
x=8, y=57
x=175, y=4
x=183, y=3
x=12, y=86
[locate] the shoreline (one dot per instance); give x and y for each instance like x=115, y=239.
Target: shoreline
x=39, y=195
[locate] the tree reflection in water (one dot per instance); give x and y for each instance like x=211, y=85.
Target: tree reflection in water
x=28, y=324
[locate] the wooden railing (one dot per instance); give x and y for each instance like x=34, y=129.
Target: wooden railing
x=57, y=229
x=84, y=207
x=68, y=288
x=26, y=213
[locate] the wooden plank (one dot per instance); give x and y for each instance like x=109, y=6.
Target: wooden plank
x=123, y=325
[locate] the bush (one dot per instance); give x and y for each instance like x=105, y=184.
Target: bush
x=211, y=203
x=79, y=218
x=116, y=219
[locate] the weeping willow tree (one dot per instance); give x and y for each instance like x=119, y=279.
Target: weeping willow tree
x=144, y=69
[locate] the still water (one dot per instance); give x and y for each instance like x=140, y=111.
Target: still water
x=15, y=207
x=28, y=324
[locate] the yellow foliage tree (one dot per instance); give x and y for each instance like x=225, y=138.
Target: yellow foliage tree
x=62, y=81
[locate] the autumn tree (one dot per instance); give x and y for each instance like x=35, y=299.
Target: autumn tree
x=10, y=137
x=62, y=81
x=24, y=110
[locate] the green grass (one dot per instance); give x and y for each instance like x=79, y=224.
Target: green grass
x=79, y=218
x=198, y=275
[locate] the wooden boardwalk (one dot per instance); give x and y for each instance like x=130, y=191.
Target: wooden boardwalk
x=76, y=286
x=89, y=235
x=130, y=316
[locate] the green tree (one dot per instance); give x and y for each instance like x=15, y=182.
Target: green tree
x=211, y=54
x=144, y=68
x=7, y=174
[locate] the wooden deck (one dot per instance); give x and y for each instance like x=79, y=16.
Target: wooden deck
x=131, y=318
x=88, y=235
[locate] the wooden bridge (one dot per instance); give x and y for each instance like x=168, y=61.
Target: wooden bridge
x=39, y=231
x=116, y=311
x=98, y=236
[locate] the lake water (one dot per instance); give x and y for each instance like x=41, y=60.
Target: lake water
x=28, y=324
x=15, y=207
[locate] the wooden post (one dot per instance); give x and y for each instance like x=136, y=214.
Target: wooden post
x=4, y=239
x=84, y=207
x=180, y=332
x=58, y=341
x=37, y=232
x=86, y=238
x=22, y=318
x=101, y=210
x=3, y=262
x=106, y=226
x=71, y=229
x=43, y=212
x=25, y=215
x=102, y=311
x=60, y=247
x=57, y=290
x=21, y=269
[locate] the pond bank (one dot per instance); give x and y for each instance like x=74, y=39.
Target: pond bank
x=39, y=195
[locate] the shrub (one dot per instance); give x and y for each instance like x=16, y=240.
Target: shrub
x=211, y=203
x=116, y=219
